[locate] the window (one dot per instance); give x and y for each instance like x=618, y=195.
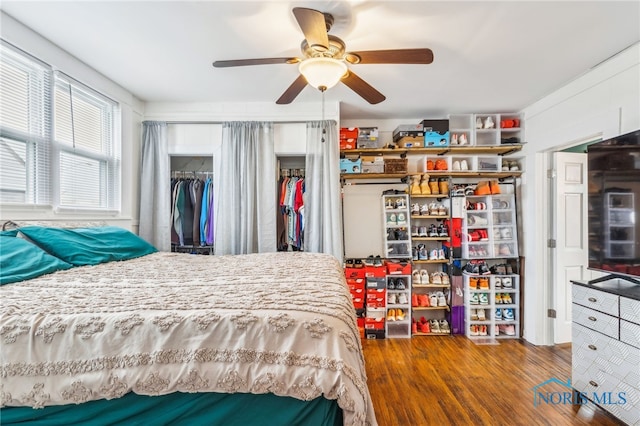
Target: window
x=58, y=138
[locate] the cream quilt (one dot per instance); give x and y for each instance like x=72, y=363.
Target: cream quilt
x=281, y=323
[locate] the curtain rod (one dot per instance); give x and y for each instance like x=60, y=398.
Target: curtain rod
x=221, y=122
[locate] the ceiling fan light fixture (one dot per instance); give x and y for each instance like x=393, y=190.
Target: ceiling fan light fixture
x=322, y=73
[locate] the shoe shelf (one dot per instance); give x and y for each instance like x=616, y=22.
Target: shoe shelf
x=431, y=238
x=503, y=149
x=398, y=306
x=492, y=303
x=430, y=261
x=489, y=227
x=430, y=308
x=397, y=240
x=431, y=285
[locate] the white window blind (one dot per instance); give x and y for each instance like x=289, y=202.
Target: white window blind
x=59, y=142
x=25, y=125
x=84, y=132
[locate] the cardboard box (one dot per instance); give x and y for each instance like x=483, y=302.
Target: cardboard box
x=398, y=268
x=376, y=283
x=350, y=165
x=374, y=334
x=436, y=133
x=347, y=144
x=354, y=273
x=372, y=164
x=411, y=130
x=349, y=133
x=411, y=141
x=374, y=272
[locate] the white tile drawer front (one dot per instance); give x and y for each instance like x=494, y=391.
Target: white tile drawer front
x=593, y=351
x=630, y=309
x=630, y=333
x=605, y=324
x=596, y=299
x=620, y=399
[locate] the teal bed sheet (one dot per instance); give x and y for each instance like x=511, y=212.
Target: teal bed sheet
x=193, y=409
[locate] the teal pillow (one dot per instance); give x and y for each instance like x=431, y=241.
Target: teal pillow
x=89, y=246
x=20, y=260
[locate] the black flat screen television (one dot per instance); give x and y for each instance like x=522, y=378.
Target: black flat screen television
x=614, y=206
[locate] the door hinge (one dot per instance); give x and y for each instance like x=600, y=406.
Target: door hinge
x=551, y=313
x=551, y=173
x=551, y=243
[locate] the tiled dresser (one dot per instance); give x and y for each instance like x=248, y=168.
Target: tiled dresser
x=606, y=346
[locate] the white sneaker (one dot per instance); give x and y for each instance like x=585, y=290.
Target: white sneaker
x=464, y=166
x=401, y=219
x=488, y=123
x=392, y=219
x=456, y=165
x=441, y=255
x=391, y=299
x=463, y=139
x=416, y=277
x=433, y=255
x=402, y=299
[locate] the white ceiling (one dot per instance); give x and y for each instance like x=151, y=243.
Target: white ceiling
x=488, y=56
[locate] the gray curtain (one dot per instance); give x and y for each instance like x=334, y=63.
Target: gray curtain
x=245, y=199
x=322, y=202
x=155, y=202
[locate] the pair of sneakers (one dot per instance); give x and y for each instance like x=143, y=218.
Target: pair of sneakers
x=396, y=219
x=479, y=299
x=397, y=299
x=505, y=314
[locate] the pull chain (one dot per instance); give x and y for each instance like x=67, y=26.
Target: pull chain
x=324, y=130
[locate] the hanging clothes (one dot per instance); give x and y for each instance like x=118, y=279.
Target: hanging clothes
x=191, y=212
x=291, y=202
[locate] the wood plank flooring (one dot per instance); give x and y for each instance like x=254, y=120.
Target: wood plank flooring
x=450, y=380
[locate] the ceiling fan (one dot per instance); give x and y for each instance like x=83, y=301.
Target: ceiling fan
x=320, y=49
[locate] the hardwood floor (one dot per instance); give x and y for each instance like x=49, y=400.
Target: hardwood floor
x=450, y=380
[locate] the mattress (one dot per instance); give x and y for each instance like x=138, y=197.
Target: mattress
x=279, y=323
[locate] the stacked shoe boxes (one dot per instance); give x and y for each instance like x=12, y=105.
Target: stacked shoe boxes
x=357, y=286
x=376, y=301
x=348, y=138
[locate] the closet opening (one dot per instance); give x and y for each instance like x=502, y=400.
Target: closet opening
x=291, y=187
x=192, y=202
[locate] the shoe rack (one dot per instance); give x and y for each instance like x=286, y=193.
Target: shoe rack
x=493, y=309
x=397, y=241
x=489, y=227
x=430, y=208
x=398, y=322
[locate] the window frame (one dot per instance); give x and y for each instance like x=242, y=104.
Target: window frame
x=44, y=180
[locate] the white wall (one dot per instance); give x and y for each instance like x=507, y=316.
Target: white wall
x=603, y=102
x=131, y=118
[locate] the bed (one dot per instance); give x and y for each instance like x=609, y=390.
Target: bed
x=173, y=338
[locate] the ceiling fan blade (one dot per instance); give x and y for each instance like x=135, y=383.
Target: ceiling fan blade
x=397, y=56
x=292, y=91
x=263, y=61
x=313, y=26
x=363, y=88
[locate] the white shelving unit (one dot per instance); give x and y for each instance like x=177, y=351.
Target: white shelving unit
x=498, y=319
x=489, y=227
x=397, y=223
x=398, y=300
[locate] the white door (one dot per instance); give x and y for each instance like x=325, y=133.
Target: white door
x=570, y=219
